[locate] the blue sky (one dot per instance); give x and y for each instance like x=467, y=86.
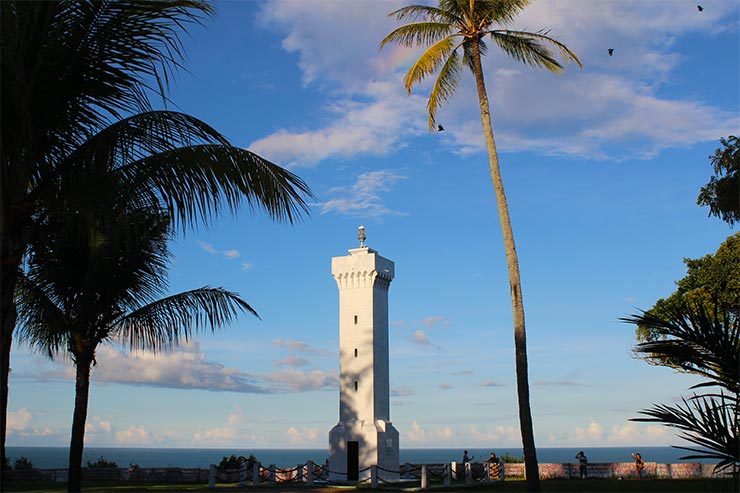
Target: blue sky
x=601, y=166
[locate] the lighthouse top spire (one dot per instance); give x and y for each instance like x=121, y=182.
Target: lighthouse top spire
x=361, y=236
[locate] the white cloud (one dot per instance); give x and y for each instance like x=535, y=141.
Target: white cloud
x=402, y=392
x=363, y=198
x=433, y=321
x=420, y=337
x=302, y=381
x=229, y=254
x=246, y=266
x=19, y=420
x=616, y=107
x=299, y=347
x=424, y=436
x=134, y=435
x=491, y=383
x=292, y=361
x=302, y=436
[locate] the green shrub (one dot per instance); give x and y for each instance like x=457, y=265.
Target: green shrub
x=234, y=462
x=512, y=459
x=101, y=463
x=23, y=464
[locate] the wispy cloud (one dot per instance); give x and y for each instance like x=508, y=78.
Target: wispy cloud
x=364, y=197
x=303, y=381
x=300, y=347
x=491, y=383
x=559, y=383
x=615, y=107
x=229, y=254
x=444, y=386
x=420, y=337
x=402, y=392
x=433, y=321
x=292, y=361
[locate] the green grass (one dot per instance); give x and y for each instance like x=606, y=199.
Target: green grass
x=553, y=485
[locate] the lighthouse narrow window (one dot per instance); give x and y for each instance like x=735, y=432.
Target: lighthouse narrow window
x=355, y=352
x=355, y=385
x=355, y=319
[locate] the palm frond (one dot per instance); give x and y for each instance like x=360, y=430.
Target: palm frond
x=536, y=43
x=165, y=323
x=444, y=86
x=488, y=12
x=197, y=182
x=527, y=50
x=428, y=62
x=418, y=33
x=425, y=12
x=709, y=422
x=696, y=340
x=42, y=325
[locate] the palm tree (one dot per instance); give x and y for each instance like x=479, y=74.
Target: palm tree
x=70, y=68
x=454, y=34
x=703, y=338
x=96, y=281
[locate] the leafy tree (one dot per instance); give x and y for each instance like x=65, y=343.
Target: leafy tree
x=703, y=339
x=454, y=35
x=23, y=464
x=722, y=193
x=71, y=67
x=95, y=279
x=234, y=462
x=714, y=278
x=102, y=463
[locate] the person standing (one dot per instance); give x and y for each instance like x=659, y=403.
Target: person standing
x=639, y=465
x=582, y=464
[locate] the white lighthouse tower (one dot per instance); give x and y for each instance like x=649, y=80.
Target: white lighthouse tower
x=364, y=435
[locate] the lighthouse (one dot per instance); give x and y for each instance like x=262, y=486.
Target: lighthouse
x=364, y=435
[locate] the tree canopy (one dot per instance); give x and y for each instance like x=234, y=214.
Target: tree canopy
x=712, y=279
x=722, y=193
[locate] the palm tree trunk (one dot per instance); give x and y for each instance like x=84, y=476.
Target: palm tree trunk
x=517, y=304
x=11, y=252
x=77, y=442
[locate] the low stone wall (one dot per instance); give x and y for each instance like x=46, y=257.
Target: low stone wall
x=614, y=470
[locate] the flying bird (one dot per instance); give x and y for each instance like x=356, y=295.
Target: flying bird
x=700, y=8
x=440, y=128
x=611, y=51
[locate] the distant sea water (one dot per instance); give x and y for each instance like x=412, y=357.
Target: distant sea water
x=51, y=457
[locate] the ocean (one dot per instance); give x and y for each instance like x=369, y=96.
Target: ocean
x=52, y=457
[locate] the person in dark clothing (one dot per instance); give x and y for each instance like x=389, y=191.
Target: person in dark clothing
x=639, y=465
x=466, y=458
x=582, y=464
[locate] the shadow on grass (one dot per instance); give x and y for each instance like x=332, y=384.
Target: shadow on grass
x=553, y=485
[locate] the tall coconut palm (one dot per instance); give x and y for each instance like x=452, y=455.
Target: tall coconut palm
x=96, y=281
x=454, y=35
x=70, y=68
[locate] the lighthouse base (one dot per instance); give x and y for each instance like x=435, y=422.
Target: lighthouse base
x=354, y=446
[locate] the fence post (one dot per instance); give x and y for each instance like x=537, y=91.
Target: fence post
x=272, y=473
x=309, y=473
x=502, y=471
x=468, y=473
x=448, y=474
x=212, y=477
x=243, y=474
x=373, y=477
x=453, y=469
x=256, y=473
x=424, y=477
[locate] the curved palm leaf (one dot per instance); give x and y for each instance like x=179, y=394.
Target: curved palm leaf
x=696, y=341
x=444, y=87
x=425, y=12
x=418, y=33
x=542, y=37
x=707, y=421
x=163, y=323
x=428, y=62
x=42, y=323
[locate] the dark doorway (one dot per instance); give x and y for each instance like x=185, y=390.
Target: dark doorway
x=353, y=461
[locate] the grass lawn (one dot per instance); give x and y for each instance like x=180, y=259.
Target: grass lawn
x=556, y=485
